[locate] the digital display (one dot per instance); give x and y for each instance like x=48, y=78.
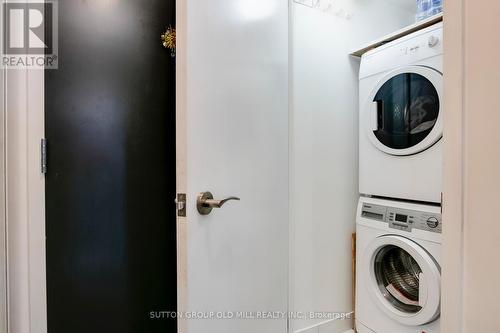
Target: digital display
x=373, y=215
x=401, y=218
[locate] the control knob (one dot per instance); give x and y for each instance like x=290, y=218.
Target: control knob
x=432, y=222
x=433, y=41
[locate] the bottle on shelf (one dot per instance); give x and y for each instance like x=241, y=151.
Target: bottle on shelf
x=423, y=9
x=427, y=8
x=436, y=7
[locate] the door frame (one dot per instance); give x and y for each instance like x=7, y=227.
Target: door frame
x=24, y=202
x=453, y=175
x=3, y=234
x=22, y=207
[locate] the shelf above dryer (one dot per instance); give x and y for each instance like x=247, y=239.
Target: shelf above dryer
x=398, y=34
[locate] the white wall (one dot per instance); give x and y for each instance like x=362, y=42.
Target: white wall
x=473, y=161
x=324, y=153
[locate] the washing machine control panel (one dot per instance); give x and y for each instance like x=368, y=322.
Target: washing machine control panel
x=403, y=219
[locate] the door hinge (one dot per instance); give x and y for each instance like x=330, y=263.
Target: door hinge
x=180, y=203
x=43, y=156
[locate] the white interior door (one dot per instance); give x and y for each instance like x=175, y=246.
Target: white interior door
x=233, y=141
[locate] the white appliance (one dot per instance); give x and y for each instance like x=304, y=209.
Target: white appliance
x=401, y=117
x=398, y=275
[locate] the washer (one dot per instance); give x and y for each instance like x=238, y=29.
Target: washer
x=401, y=119
x=398, y=274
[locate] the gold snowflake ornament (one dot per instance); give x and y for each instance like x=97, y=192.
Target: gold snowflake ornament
x=168, y=40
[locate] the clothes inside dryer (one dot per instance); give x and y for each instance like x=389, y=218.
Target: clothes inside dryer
x=407, y=110
x=398, y=277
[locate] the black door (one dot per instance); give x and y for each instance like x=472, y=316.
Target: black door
x=110, y=126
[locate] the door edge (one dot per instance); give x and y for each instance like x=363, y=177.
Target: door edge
x=181, y=158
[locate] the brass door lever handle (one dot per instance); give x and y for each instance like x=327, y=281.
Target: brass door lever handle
x=205, y=202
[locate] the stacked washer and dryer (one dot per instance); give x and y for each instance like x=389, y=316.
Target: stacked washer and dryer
x=398, y=280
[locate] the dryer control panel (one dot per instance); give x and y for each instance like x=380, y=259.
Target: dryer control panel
x=403, y=219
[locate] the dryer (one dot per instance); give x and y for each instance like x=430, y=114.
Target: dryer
x=398, y=274
x=401, y=117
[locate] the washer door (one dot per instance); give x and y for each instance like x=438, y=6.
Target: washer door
x=403, y=113
x=403, y=280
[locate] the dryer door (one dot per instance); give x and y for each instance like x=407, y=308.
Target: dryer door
x=403, y=280
x=403, y=113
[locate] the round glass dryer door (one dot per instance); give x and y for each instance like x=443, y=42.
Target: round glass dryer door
x=404, y=111
x=404, y=280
